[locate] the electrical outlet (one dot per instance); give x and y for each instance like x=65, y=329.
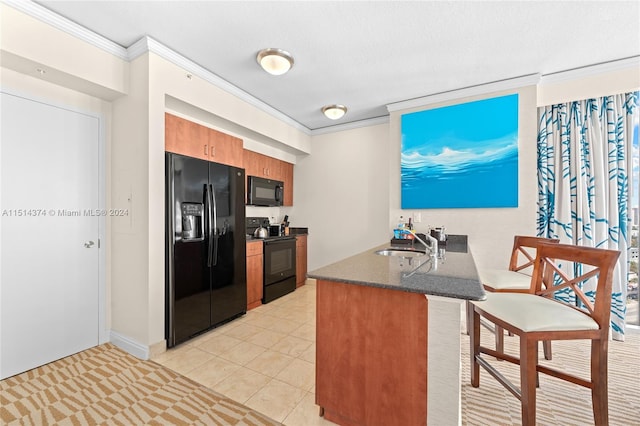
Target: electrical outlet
x=417, y=217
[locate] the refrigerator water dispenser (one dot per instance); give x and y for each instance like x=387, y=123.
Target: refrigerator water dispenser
x=192, y=222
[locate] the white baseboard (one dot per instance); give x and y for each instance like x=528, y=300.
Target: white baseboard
x=129, y=345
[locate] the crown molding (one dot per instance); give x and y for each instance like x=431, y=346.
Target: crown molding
x=48, y=17
x=592, y=70
x=481, y=89
x=142, y=46
x=352, y=125
x=148, y=44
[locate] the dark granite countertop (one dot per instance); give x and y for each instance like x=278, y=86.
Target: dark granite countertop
x=453, y=276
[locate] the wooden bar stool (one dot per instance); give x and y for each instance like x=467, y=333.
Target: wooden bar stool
x=536, y=317
x=516, y=279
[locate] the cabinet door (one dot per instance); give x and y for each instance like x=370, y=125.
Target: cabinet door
x=252, y=164
x=185, y=137
x=270, y=168
x=254, y=274
x=301, y=260
x=266, y=167
x=286, y=173
x=225, y=149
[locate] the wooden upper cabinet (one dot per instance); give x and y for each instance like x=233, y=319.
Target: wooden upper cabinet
x=194, y=140
x=286, y=171
x=225, y=149
x=185, y=137
x=251, y=162
x=261, y=165
x=270, y=168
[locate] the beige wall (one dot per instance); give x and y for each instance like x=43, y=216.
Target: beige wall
x=559, y=89
x=139, y=246
x=490, y=230
x=138, y=91
x=341, y=193
x=27, y=44
x=130, y=248
x=346, y=191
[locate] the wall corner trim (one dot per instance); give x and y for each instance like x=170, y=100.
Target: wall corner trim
x=480, y=89
x=51, y=18
x=352, y=125
x=591, y=70
x=147, y=44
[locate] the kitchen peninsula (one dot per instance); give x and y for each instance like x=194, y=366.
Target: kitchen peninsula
x=388, y=335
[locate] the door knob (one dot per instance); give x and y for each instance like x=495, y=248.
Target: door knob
x=88, y=244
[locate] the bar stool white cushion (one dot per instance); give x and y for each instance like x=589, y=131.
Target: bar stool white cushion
x=530, y=312
x=503, y=279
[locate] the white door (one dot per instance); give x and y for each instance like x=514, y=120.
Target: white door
x=49, y=257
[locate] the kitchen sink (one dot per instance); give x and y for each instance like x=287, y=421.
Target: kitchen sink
x=400, y=252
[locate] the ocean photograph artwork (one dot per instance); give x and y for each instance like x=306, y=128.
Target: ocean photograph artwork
x=461, y=156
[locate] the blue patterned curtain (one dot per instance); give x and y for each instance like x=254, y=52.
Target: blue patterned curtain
x=584, y=163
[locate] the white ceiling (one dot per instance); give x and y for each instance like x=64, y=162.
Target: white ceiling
x=366, y=54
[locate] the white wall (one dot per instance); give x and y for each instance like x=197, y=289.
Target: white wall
x=341, y=193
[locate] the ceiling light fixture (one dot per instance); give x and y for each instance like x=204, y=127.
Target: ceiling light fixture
x=334, y=112
x=275, y=61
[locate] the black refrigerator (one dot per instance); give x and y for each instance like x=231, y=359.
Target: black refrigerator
x=206, y=279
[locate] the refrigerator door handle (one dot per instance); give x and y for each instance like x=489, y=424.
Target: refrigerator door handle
x=207, y=200
x=214, y=231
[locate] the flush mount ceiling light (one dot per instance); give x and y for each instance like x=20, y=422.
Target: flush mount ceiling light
x=334, y=112
x=275, y=61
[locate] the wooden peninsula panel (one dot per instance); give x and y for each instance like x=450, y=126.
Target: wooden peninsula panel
x=371, y=355
x=301, y=260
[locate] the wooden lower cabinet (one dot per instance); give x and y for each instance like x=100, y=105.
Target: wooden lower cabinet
x=254, y=274
x=301, y=260
x=371, y=355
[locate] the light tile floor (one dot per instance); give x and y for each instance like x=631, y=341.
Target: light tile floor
x=265, y=359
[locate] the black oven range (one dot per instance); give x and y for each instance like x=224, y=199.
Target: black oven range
x=279, y=260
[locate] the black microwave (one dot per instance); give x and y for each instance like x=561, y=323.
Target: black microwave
x=264, y=192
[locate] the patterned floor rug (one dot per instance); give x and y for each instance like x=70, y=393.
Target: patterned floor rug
x=105, y=385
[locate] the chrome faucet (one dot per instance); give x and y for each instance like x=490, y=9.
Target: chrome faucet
x=433, y=246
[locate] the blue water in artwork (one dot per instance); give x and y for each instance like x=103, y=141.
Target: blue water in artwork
x=462, y=156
